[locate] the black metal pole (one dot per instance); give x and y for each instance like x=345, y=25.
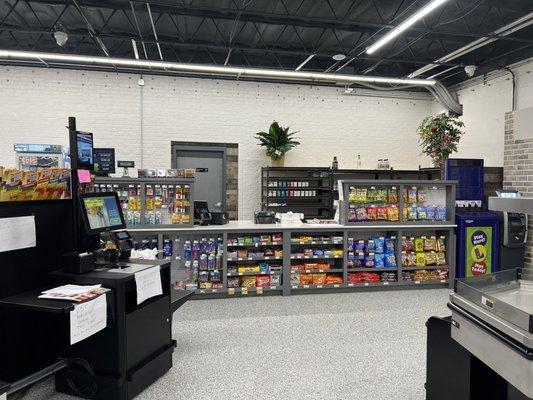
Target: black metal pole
x=73, y=143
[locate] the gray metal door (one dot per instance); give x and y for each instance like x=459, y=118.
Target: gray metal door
x=210, y=166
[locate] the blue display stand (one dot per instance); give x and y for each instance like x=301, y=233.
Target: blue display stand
x=478, y=244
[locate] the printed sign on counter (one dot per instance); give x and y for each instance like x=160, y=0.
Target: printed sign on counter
x=88, y=318
x=17, y=233
x=148, y=283
x=478, y=251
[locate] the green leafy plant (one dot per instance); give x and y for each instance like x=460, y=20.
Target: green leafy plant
x=439, y=137
x=277, y=140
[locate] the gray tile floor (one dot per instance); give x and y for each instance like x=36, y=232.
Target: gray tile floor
x=367, y=345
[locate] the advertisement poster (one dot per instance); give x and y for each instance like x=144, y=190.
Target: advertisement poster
x=478, y=250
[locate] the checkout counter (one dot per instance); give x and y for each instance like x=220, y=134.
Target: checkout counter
x=485, y=349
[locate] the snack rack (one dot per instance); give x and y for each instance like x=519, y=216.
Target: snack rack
x=163, y=202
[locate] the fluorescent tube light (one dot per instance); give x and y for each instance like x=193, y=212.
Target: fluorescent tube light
x=16, y=55
x=405, y=25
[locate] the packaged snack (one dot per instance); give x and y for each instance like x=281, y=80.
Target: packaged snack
x=203, y=261
x=275, y=280
x=269, y=253
x=232, y=269
x=379, y=260
x=278, y=253
x=405, y=213
x=422, y=196
x=440, y=259
x=439, y=245
x=215, y=276
x=379, y=245
x=381, y=213
x=295, y=279
x=242, y=253
x=369, y=261
x=263, y=280
x=334, y=279
x=393, y=195
x=323, y=266
x=408, y=259
x=430, y=244
x=203, y=276
x=421, y=213
x=248, y=281
x=381, y=196
x=306, y=279
x=408, y=244
x=351, y=244
x=440, y=213
x=319, y=279
x=430, y=213
x=390, y=261
x=393, y=214
x=390, y=245
x=411, y=195
x=372, y=213
x=431, y=258
x=264, y=268
x=352, y=214
x=310, y=266
x=372, y=195
x=243, y=269
x=359, y=246
x=358, y=260
x=361, y=214
x=412, y=213
x=420, y=259
x=419, y=244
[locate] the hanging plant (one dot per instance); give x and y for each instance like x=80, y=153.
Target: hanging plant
x=439, y=137
x=277, y=141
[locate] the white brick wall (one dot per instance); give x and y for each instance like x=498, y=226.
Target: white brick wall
x=485, y=105
x=36, y=102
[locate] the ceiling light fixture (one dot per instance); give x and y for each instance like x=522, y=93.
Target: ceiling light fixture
x=60, y=35
x=405, y=25
x=339, y=57
x=16, y=55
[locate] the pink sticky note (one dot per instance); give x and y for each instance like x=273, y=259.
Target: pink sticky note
x=84, y=176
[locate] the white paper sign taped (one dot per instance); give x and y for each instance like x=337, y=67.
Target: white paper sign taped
x=88, y=318
x=3, y=396
x=148, y=284
x=17, y=233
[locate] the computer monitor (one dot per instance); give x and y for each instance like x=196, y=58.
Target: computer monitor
x=101, y=212
x=84, y=142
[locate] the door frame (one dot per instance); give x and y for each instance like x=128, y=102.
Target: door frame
x=175, y=148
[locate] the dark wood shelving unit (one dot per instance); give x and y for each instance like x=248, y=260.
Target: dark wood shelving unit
x=276, y=186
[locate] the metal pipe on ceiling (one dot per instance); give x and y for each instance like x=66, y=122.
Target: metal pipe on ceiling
x=209, y=69
x=506, y=30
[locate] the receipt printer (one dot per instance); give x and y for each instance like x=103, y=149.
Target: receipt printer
x=77, y=263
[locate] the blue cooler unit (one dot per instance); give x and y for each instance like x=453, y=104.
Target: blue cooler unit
x=478, y=244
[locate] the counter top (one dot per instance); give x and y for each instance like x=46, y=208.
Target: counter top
x=250, y=226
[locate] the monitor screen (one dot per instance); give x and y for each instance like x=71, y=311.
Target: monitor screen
x=84, y=142
x=102, y=212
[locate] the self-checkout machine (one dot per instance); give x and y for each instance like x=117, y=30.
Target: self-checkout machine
x=485, y=348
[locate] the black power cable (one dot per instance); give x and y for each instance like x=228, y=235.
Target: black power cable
x=86, y=391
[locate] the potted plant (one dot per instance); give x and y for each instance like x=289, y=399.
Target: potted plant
x=277, y=142
x=439, y=137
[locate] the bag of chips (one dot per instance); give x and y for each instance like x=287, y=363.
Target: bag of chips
x=390, y=261
x=440, y=259
x=382, y=213
x=412, y=213
x=431, y=258
x=361, y=214
x=248, y=281
x=422, y=196
x=369, y=260
x=359, y=246
x=352, y=214
x=318, y=279
x=393, y=195
x=408, y=259
x=306, y=279
x=392, y=213
x=390, y=245
x=275, y=280
x=430, y=244
x=411, y=195
x=420, y=259
x=439, y=245
x=334, y=279
x=370, y=246
x=379, y=260
x=263, y=280
x=379, y=245
x=430, y=212
x=419, y=244
x=295, y=279
x=372, y=213
x=408, y=244
x=421, y=213
x=233, y=282
x=440, y=213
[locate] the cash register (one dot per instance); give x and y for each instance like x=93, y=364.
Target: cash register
x=104, y=220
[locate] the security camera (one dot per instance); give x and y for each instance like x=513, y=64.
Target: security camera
x=61, y=37
x=470, y=70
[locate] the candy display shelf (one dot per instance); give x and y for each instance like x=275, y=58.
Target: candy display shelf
x=376, y=250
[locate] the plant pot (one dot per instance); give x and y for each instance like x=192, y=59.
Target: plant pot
x=278, y=162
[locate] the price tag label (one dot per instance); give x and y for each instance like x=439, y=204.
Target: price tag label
x=306, y=286
x=367, y=284
x=267, y=258
x=272, y=287
x=350, y=284
x=319, y=286
x=320, y=270
x=295, y=287
x=215, y=290
x=313, y=242
x=244, y=291
x=443, y=281
x=240, y=258
x=335, y=285
x=259, y=290
x=257, y=245
x=385, y=283
x=240, y=273
x=417, y=282
x=202, y=291
x=231, y=291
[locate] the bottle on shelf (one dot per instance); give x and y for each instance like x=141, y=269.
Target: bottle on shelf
x=335, y=163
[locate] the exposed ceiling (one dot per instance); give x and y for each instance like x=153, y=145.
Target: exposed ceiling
x=274, y=33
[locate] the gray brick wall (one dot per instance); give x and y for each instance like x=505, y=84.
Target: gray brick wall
x=518, y=174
